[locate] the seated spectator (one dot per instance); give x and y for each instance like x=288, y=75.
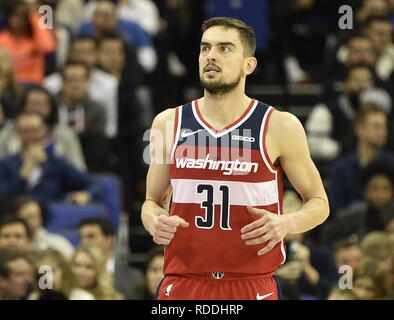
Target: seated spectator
x=16, y=274
x=105, y=20
x=102, y=85
x=329, y=125
x=371, y=281
x=10, y=91
x=153, y=275
x=143, y=12
x=88, y=266
x=347, y=252
x=30, y=211
x=64, y=283
x=370, y=128
x=15, y=233
x=387, y=216
x=85, y=116
x=26, y=42
x=43, y=176
x=337, y=293
x=100, y=232
x=364, y=217
x=59, y=140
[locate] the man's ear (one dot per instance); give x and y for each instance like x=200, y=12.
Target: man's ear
x=250, y=65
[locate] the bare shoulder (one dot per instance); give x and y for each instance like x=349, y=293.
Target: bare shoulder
x=164, y=118
x=284, y=122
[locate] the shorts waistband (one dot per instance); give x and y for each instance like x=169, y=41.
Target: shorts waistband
x=220, y=275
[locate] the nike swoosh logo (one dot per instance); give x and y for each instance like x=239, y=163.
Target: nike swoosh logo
x=185, y=134
x=258, y=297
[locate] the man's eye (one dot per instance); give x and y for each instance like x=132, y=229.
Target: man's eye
x=225, y=49
x=204, y=49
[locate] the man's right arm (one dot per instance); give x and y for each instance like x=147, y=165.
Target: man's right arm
x=155, y=210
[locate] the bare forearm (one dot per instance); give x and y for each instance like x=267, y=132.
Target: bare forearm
x=149, y=211
x=313, y=213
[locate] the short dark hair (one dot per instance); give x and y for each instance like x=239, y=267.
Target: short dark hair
x=8, y=255
x=246, y=33
x=105, y=225
x=370, y=20
x=11, y=219
x=72, y=63
x=85, y=38
x=378, y=167
x=365, y=110
x=344, y=244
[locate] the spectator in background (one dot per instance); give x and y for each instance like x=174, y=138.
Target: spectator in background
x=26, y=42
x=371, y=280
x=59, y=140
x=153, y=274
x=370, y=128
x=337, y=293
x=347, y=252
x=380, y=31
x=105, y=21
x=69, y=13
x=16, y=274
x=365, y=216
x=329, y=125
x=102, y=85
x=88, y=266
x=100, y=232
x=64, y=282
x=30, y=211
x=15, y=233
x=143, y=12
x=85, y=116
x=10, y=91
x=43, y=176
x=309, y=269
x=387, y=215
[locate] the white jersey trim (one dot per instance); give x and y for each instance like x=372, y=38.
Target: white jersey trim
x=178, y=129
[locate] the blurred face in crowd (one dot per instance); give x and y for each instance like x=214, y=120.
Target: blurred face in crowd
x=379, y=191
x=154, y=273
x=76, y=81
x=84, y=51
x=373, y=130
x=84, y=270
x=31, y=129
x=370, y=8
x=112, y=56
x=348, y=256
x=358, y=80
x=380, y=33
x=14, y=235
x=31, y=213
x=91, y=235
x=361, y=51
x=221, y=61
x=18, y=22
x=104, y=17
x=38, y=102
x=364, y=288
x=18, y=281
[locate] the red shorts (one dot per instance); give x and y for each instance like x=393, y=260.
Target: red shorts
x=218, y=286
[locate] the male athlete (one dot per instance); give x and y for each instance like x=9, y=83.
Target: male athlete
x=222, y=160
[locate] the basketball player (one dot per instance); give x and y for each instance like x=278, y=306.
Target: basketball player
x=222, y=160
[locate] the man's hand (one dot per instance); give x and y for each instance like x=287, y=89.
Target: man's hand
x=33, y=156
x=271, y=228
x=80, y=197
x=164, y=227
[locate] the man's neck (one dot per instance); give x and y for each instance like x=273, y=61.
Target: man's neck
x=366, y=153
x=221, y=110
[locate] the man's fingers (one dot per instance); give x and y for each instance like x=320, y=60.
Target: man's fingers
x=163, y=234
x=174, y=221
x=255, y=233
x=267, y=248
x=254, y=225
x=257, y=211
x=259, y=240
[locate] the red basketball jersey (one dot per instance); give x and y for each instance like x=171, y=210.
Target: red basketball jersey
x=214, y=176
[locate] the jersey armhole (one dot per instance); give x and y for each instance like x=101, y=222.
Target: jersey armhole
x=263, y=147
x=177, y=127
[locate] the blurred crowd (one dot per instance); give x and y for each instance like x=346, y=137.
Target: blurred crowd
x=80, y=87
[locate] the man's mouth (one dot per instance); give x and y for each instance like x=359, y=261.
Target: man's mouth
x=211, y=70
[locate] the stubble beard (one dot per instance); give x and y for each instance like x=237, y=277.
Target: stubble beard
x=219, y=87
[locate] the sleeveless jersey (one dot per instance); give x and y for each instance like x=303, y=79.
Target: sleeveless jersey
x=214, y=176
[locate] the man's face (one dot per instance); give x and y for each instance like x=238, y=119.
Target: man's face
x=76, y=82
x=31, y=129
x=379, y=191
x=358, y=80
x=38, y=102
x=31, y=213
x=85, y=51
x=111, y=56
x=373, y=131
x=14, y=235
x=91, y=235
x=154, y=273
x=361, y=52
x=380, y=33
x=19, y=279
x=364, y=288
x=221, y=60
x=104, y=17
x=348, y=256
